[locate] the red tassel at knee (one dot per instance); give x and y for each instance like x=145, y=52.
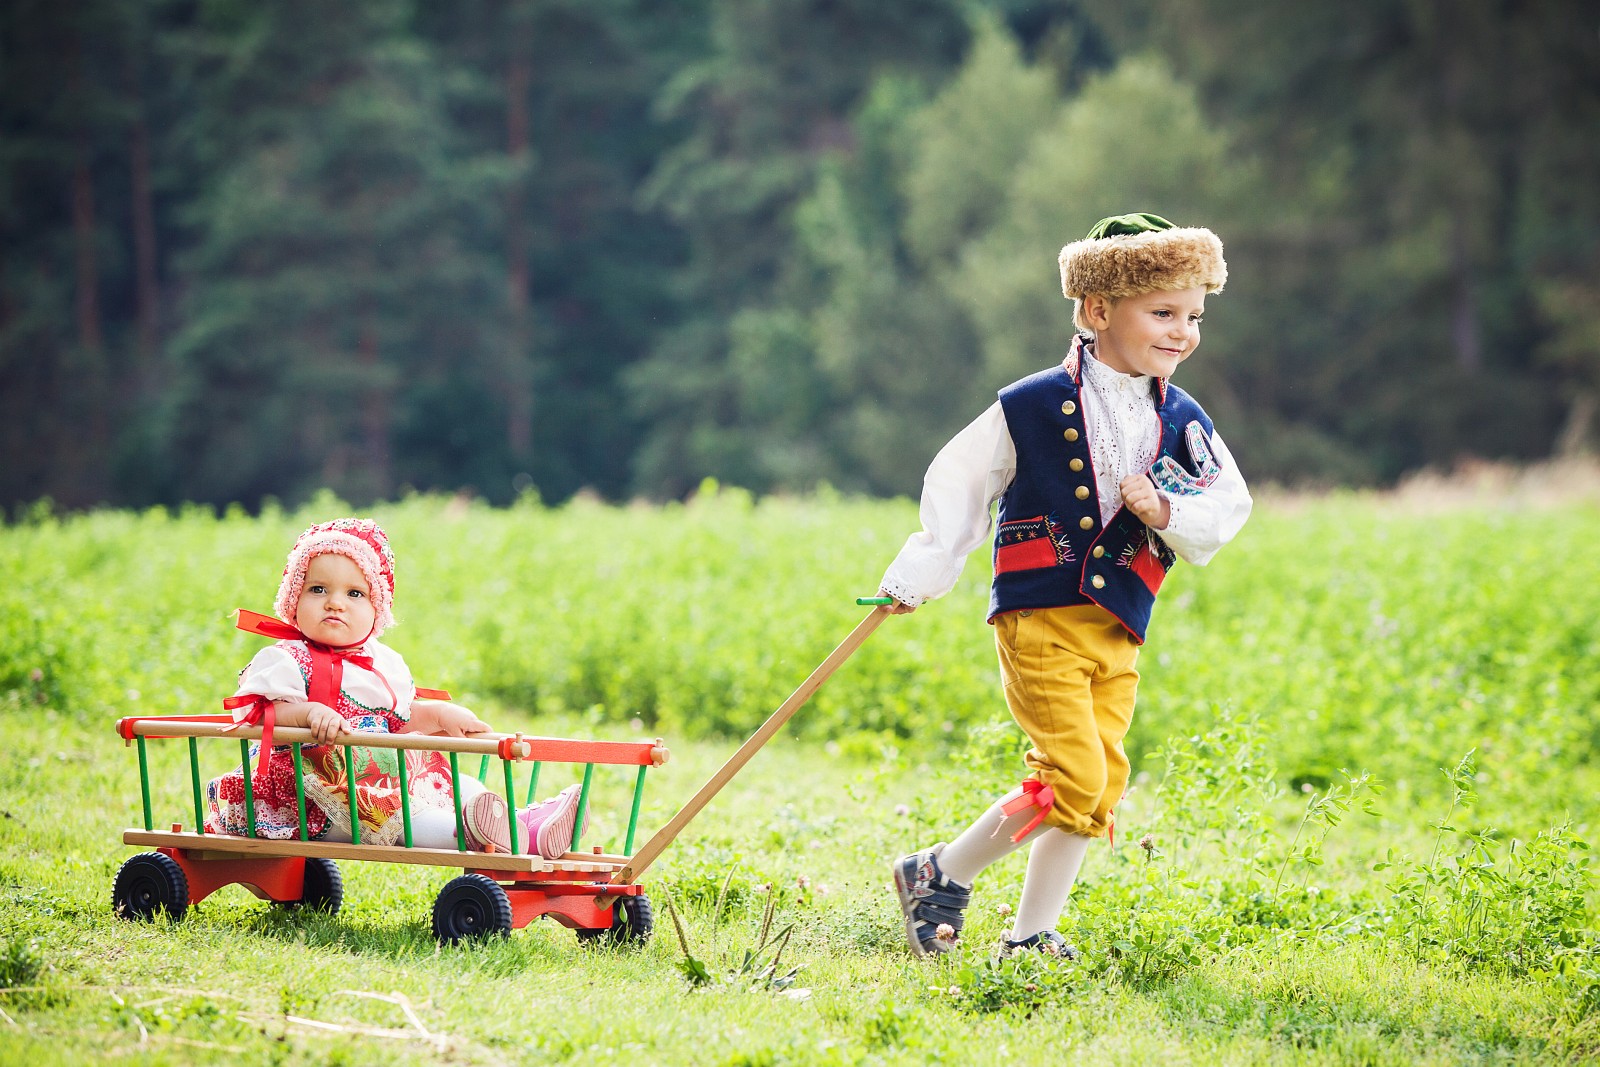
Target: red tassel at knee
x=1032, y=793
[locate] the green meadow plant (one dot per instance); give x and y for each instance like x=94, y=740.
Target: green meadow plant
x=1395, y=643
x=1519, y=907
x=1208, y=873
x=1021, y=985
x=1322, y=813
x=757, y=966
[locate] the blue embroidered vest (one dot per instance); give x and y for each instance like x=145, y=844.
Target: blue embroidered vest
x=1050, y=549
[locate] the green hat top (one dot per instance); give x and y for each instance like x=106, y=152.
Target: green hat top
x=1127, y=225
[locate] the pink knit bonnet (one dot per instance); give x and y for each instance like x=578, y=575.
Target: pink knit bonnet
x=365, y=543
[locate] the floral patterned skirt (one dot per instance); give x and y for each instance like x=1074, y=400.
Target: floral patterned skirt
x=327, y=789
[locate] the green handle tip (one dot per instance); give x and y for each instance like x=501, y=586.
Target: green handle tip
x=865, y=601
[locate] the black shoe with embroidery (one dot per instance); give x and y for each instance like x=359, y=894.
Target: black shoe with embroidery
x=934, y=905
x=1046, y=942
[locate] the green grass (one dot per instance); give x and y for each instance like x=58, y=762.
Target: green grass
x=1254, y=929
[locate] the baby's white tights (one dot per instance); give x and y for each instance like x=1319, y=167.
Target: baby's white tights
x=430, y=827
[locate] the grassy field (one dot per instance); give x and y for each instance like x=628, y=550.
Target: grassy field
x=1366, y=776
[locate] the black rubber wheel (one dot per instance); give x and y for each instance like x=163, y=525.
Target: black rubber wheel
x=324, y=887
x=148, y=883
x=631, y=923
x=471, y=906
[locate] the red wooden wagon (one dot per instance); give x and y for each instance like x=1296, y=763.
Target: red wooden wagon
x=496, y=893
x=597, y=895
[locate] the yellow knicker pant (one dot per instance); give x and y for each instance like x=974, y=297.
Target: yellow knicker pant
x=1070, y=684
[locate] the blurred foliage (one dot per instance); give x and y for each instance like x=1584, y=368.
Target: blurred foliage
x=248, y=251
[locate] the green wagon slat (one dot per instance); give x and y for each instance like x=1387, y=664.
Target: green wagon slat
x=144, y=785
x=405, y=796
x=583, y=805
x=300, y=790
x=455, y=795
x=249, y=790
x=350, y=793
x=633, y=816
x=194, y=782
x=511, y=807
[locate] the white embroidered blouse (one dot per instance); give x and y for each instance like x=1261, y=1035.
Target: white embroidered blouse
x=273, y=673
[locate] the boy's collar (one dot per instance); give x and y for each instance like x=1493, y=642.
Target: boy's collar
x=1073, y=365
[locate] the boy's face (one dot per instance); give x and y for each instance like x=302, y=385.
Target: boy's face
x=1150, y=333
x=335, y=607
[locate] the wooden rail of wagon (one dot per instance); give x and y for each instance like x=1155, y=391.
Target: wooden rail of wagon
x=510, y=749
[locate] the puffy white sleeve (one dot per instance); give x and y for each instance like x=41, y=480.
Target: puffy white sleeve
x=393, y=667
x=961, y=484
x=274, y=674
x=1202, y=523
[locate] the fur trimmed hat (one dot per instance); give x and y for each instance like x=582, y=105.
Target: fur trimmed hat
x=363, y=542
x=1141, y=253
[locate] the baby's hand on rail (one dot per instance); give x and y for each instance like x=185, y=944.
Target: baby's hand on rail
x=325, y=724
x=453, y=720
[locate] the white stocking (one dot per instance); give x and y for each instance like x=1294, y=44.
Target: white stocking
x=1052, y=868
x=435, y=827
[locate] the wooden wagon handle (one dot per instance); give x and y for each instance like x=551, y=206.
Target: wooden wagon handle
x=653, y=847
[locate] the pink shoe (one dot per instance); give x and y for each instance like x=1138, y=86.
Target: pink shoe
x=547, y=826
x=486, y=824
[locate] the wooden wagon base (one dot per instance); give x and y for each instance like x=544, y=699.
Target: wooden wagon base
x=498, y=892
x=573, y=867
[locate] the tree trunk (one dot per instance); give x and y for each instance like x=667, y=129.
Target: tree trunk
x=85, y=454
x=375, y=412
x=519, y=398
x=1465, y=329
x=1576, y=435
x=147, y=288
x=83, y=227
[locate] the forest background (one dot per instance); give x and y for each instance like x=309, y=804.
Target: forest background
x=249, y=250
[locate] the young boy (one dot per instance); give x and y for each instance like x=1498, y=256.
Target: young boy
x=1103, y=471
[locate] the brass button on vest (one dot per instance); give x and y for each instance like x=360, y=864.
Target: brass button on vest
x=1099, y=550
x=1098, y=582
x=1076, y=465
x=1070, y=434
x=1082, y=492
x=1086, y=523
x=1068, y=408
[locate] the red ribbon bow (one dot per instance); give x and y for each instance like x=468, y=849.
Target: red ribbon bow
x=1032, y=793
x=327, y=676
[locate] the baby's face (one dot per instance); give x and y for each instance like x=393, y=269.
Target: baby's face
x=335, y=606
